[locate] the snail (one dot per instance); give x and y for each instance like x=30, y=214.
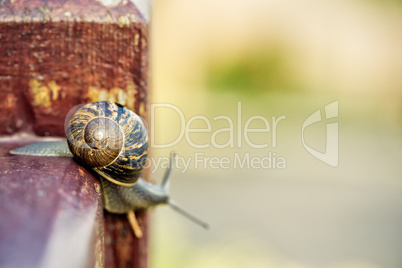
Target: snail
x=112, y=141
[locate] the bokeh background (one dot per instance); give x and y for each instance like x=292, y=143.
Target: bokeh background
x=280, y=58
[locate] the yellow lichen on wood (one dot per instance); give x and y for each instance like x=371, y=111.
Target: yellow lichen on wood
x=112, y=95
x=44, y=94
x=55, y=88
x=103, y=95
x=93, y=94
x=131, y=91
x=123, y=21
x=142, y=108
x=124, y=97
x=136, y=39
x=40, y=94
x=121, y=96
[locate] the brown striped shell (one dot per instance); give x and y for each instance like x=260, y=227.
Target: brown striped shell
x=110, y=139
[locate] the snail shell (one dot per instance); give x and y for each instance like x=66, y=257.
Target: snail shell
x=110, y=139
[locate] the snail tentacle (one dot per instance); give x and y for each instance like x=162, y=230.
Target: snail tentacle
x=112, y=141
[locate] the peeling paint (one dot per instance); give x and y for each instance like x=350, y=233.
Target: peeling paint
x=93, y=94
x=109, y=3
x=44, y=94
x=40, y=94
x=93, y=71
x=124, y=97
x=103, y=95
x=121, y=96
x=55, y=88
x=131, y=92
x=123, y=21
x=117, y=94
x=136, y=39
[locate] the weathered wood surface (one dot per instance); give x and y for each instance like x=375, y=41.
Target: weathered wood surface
x=122, y=249
x=79, y=10
x=51, y=212
x=55, y=54
x=52, y=216
x=47, y=66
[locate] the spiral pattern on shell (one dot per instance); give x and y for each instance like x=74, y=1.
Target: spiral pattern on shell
x=110, y=139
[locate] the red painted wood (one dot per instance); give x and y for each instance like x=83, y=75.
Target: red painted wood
x=51, y=212
x=50, y=62
x=122, y=249
x=55, y=54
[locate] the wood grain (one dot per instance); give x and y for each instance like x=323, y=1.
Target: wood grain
x=51, y=212
x=55, y=54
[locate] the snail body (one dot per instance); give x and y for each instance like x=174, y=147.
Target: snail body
x=141, y=196
x=112, y=141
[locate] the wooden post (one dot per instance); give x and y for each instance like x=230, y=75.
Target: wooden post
x=51, y=212
x=55, y=54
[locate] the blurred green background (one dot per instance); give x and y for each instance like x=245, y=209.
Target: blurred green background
x=281, y=58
